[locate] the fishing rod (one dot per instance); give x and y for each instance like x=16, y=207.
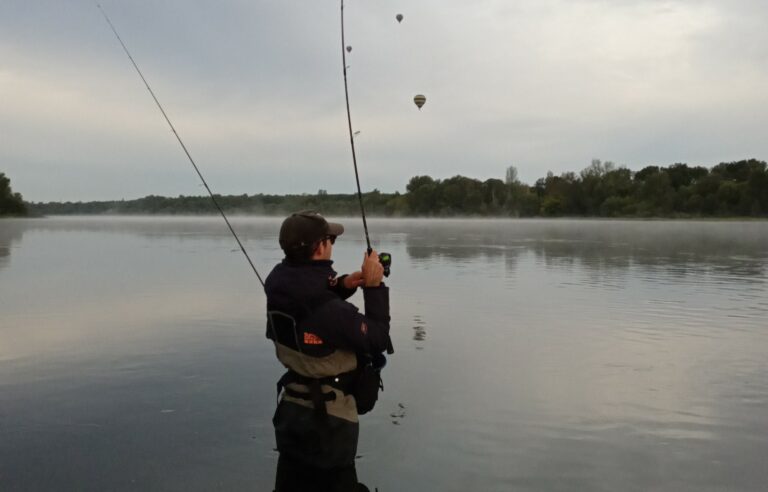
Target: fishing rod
x=184, y=147
x=384, y=258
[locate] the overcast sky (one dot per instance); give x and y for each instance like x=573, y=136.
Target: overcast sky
x=254, y=87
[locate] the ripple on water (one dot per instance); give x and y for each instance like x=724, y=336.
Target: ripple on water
x=419, y=331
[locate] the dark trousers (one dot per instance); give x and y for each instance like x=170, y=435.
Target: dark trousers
x=294, y=476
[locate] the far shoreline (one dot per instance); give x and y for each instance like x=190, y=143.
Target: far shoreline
x=727, y=191
x=414, y=217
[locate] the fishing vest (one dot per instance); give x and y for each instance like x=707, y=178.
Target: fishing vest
x=319, y=378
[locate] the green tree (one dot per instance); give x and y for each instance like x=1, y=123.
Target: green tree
x=511, y=176
x=656, y=195
x=681, y=175
x=757, y=187
x=740, y=170
x=705, y=194
x=646, y=171
x=461, y=195
x=729, y=197
x=11, y=204
x=596, y=183
x=560, y=194
x=523, y=201
x=495, y=195
x=422, y=195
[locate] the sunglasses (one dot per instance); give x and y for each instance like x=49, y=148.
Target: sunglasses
x=332, y=239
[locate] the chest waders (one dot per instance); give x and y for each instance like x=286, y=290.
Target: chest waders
x=316, y=419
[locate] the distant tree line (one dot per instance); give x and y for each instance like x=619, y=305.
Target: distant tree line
x=601, y=190
x=331, y=204
x=11, y=204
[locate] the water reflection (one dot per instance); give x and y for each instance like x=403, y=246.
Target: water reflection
x=729, y=248
x=398, y=414
x=11, y=231
x=419, y=330
x=530, y=355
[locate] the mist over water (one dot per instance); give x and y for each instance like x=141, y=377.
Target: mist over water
x=530, y=355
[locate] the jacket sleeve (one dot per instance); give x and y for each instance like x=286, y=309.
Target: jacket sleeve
x=340, y=290
x=345, y=327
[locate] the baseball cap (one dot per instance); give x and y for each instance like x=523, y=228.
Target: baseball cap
x=303, y=228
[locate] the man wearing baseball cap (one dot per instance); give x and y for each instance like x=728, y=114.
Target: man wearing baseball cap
x=328, y=347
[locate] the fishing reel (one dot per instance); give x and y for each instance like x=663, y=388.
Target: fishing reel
x=386, y=261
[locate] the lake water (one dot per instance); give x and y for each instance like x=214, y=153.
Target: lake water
x=530, y=355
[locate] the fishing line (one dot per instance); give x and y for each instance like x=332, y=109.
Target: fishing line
x=184, y=147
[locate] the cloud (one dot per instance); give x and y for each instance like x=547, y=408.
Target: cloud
x=255, y=90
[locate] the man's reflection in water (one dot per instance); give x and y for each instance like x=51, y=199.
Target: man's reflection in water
x=293, y=476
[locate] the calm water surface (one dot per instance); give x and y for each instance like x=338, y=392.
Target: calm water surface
x=530, y=355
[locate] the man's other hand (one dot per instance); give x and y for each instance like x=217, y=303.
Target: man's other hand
x=354, y=280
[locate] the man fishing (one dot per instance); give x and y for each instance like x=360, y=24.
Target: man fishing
x=333, y=354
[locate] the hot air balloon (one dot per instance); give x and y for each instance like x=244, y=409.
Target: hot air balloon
x=349, y=49
x=419, y=100
x=399, y=18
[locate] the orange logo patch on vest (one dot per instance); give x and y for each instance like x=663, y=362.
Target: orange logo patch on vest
x=312, y=339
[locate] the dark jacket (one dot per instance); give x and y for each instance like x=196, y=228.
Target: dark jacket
x=319, y=337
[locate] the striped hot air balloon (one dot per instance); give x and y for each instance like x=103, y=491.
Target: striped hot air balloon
x=419, y=100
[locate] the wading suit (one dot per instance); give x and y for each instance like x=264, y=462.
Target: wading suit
x=322, y=340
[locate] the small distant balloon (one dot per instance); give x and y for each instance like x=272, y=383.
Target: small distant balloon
x=349, y=49
x=419, y=100
x=399, y=18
